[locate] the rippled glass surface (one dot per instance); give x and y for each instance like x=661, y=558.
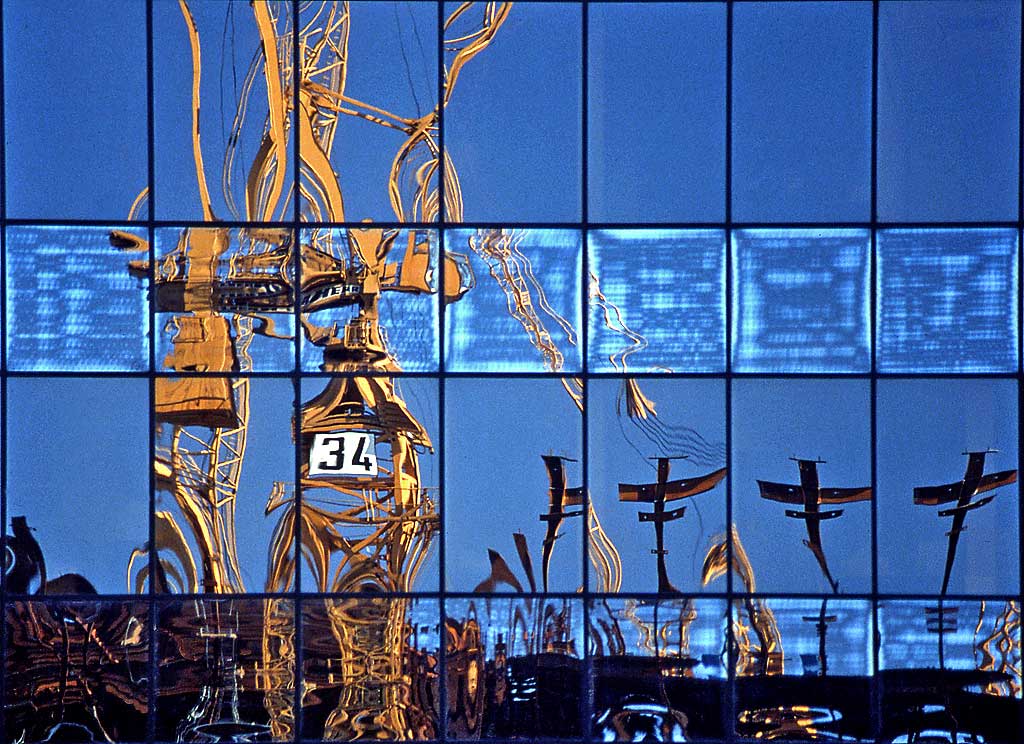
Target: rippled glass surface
x=76, y=671
x=800, y=301
x=657, y=300
x=226, y=668
x=512, y=119
x=404, y=264
x=927, y=432
x=523, y=314
x=947, y=300
x=951, y=666
x=514, y=668
x=803, y=668
x=359, y=652
x=658, y=668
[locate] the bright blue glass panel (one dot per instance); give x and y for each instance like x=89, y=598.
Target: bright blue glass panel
x=71, y=303
x=657, y=112
x=77, y=467
x=663, y=305
x=948, y=110
x=910, y=638
x=802, y=111
x=800, y=301
x=524, y=313
x=947, y=300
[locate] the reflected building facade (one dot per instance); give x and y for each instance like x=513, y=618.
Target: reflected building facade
x=369, y=454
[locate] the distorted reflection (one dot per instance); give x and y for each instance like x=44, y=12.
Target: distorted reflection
x=514, y=667
x=658, y=668
x=76, y=671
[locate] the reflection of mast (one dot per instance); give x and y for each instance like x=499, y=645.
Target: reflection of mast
x=657, y=494
x=216, y=716
x=974, y=482
x=811, y=496
x=821, y=622
x=941, y=619
x=560, y=498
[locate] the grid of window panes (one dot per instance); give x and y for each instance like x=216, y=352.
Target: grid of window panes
x=698, y=297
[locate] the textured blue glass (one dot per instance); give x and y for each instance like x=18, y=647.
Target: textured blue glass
x=662, y=300
x=523, y=315
x=800, y=301
x=947, y=300
x=71, y=303
x=848, y=637
x=910, y=638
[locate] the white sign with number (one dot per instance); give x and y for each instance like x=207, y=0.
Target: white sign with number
x=343, y=453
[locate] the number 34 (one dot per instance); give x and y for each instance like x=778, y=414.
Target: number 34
x=343, y=453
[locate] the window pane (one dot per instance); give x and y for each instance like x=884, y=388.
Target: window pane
x=369, y=481
x=369, y=299
x=827, y=425
x=658, y=668
x=535, y=649
x=800, y=301
x=968, y=650
x=632, y=422
x=377, y=62
x=225, y=540
x=394, y=697
x=926, y=430
x=225, y=300
x=803, y=664
x=75, y=302
x=77, y=463
x=948, y=100
x=512, y=124
x=947, y=300
x=497, y=485
x=657, y=112
x=226, y=667
x=521, y=312
x=75, y=113
x=642, y=282
x=60, y=686
x=245, y=166
x=802, y=111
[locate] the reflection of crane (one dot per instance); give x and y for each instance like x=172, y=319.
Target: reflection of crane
x=366, y=519
x=811, y=495
x=974, y=482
